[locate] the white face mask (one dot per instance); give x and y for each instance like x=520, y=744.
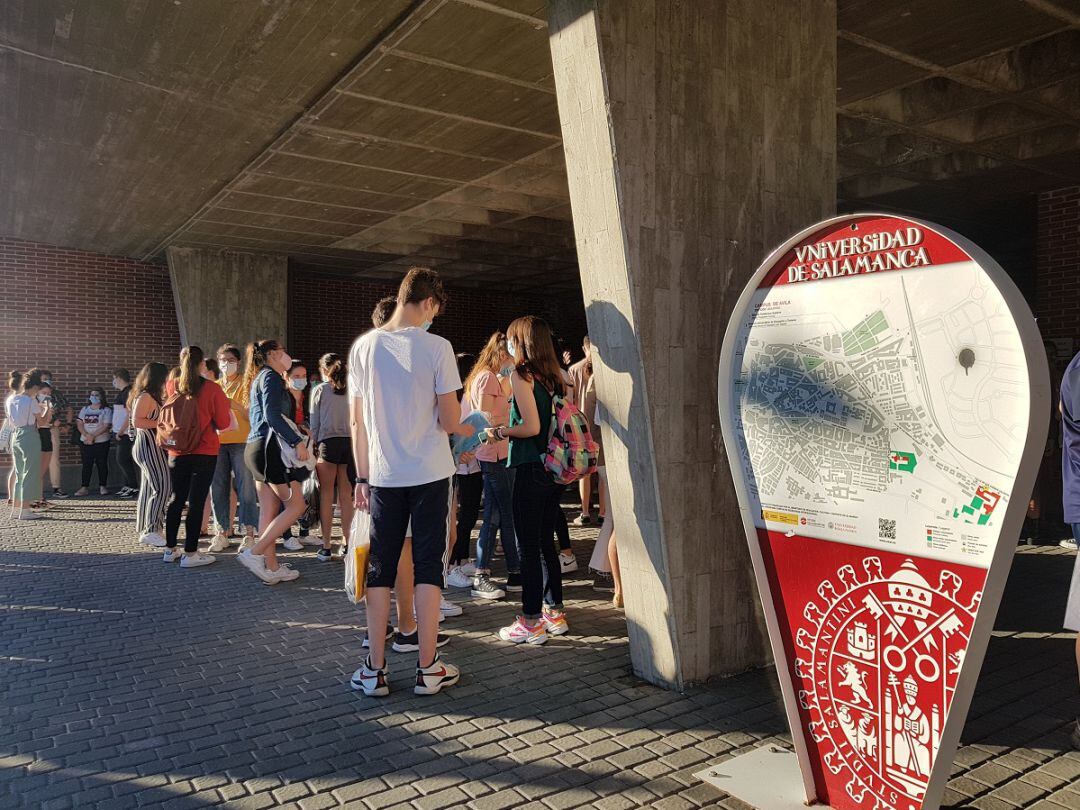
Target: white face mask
x=229, y=367
x=510, y=348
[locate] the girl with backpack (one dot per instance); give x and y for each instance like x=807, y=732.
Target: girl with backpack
x=196, y=409
x=536, y=379
x=273, y=436
x=147, y=396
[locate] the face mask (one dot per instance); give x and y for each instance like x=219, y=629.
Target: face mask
x=507, y=370
x=42, y=397
x=229, y=367
x=47, y=382
x=298, y=384
x=285, y=359
x=425, y=325
x=95, y=399
x=117, y=383
x=511, y=348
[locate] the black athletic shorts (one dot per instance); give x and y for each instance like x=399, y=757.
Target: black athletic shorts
x=428, y=506
x=46, y=439
x=337, y=450
x=263, y=459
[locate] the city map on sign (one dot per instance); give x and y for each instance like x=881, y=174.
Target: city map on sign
x=895, y=420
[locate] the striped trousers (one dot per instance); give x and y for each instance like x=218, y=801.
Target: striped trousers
x=156, y=486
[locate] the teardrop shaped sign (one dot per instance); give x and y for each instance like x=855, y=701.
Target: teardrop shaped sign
x=884, y=399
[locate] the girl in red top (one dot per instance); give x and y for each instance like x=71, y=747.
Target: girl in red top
x=192, y=473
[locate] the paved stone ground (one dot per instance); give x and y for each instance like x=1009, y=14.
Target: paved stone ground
x=126, y=682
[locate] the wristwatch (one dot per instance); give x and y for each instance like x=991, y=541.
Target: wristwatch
x=361, y=480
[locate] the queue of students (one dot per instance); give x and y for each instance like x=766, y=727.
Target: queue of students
x=376, y=433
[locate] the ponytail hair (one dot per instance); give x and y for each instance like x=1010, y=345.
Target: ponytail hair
x=191, y=381
x=15, y=381
x=255, y=359
x=32, y=379
x=334, y=372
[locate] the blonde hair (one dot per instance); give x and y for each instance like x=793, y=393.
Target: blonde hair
x=487, y=360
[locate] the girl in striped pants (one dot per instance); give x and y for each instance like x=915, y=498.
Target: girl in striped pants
x=147, y=395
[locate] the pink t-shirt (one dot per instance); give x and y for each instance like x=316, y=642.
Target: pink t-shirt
x=488, y=383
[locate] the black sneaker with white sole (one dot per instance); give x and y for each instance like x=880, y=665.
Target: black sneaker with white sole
x=484, y=588
x=603, y=581
x=513, y=582
x=411, y=642
x=324, y=555
x=389, y=635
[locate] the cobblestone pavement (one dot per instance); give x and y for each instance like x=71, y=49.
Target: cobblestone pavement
x=127, y=682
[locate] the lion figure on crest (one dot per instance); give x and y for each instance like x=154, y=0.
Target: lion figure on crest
x=855, y=681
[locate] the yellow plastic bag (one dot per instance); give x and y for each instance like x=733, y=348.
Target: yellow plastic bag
x=356, y=557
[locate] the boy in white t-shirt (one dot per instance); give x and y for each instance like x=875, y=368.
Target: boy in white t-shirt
x=402, y=384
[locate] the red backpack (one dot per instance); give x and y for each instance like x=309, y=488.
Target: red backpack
x=178, y=424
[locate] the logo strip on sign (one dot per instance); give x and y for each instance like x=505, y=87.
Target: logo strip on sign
x=884, y=398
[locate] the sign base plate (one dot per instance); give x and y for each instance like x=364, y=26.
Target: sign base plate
x=768, y=778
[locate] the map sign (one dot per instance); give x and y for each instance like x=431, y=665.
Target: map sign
x=883, y=394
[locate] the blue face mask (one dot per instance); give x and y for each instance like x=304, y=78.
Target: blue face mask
x=425, y=325
x=298, y=384
x=511, y=348
x=95, y=399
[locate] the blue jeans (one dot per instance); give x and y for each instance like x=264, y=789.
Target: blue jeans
x=230, y=465
x=498, y=513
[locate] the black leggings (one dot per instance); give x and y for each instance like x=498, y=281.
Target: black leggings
x=562, y=531
x=191, y=479
x=95, y=455
x=469, y=490
x=128, y=470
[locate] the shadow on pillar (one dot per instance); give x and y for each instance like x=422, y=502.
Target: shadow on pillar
x=654, y=661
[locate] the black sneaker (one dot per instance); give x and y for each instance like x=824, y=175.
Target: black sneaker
x=603, y=581
x=411, y=642
x=484, y=588
x=389, y=635
x=513, y=582
x=59, y=493
x=324, y=555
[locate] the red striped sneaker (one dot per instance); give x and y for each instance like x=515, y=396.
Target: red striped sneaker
x=372, y=682
x=429, y=680
x=555, y=622
x=520, y=632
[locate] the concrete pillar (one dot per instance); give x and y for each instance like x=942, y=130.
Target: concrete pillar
x=228, y=297
x=697, y=135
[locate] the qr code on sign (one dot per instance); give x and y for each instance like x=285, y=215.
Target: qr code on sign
x=886, y=529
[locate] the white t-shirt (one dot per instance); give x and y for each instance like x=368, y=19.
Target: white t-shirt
x=400, y=375
x=22, y=410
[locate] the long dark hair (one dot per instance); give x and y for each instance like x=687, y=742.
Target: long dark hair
x=191, y=381
x=535, y=357
x=334, y=372
x=101, y=395
x=258, y=354
x=15, y=381
x=32, y=379
x=150, y=380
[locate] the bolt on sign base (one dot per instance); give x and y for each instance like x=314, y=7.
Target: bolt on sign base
x=768, y=778
x=884, y=400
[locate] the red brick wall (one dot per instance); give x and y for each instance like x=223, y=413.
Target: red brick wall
x=82, y=315
x=1057, y=308
x=327, y=312
x=1057, y=264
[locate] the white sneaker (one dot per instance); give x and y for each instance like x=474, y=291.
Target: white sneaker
x=292, y=544
x=1068, y=543
x=567, y=564
x=284, y=573
x=247, y=543
x=310, y=540
x=457, y=578
x=255, y=563
x=219, y=543
x=197, y=559
x=468, y=568
x=152, y=539
x=172, y=554
x=448, y=609
x=26, y=514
